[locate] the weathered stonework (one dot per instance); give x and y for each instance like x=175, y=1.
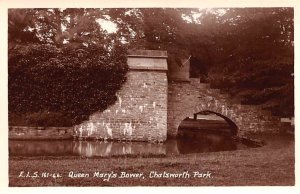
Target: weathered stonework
x=179, y=72
x=188, y=98
x=149, y=107
x=140, y=113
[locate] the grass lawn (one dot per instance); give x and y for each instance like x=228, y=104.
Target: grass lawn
x=272, y=164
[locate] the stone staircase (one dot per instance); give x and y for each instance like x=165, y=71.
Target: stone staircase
x=255, y=118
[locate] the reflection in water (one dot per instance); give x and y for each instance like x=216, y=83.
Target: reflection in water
x=202, y=143
x=40, y=148
x=83, y=148
x=99, y=148
x=211, y=143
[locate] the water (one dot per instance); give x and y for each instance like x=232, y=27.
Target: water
x=207, y=143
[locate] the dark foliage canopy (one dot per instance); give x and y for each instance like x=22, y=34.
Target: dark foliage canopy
x=45, y=79
x=63, y=62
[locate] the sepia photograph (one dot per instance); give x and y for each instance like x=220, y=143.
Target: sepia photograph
x=150, y=96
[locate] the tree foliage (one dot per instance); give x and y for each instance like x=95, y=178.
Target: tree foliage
x=255, y=57
x=249, y=52
x=43, y=77
x=63, y=56
x=57, y=80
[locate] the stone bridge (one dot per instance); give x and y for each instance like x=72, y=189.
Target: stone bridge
x=154, y=100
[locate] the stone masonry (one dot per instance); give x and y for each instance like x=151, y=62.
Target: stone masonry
x=140, y=113
x=150, y=107
x=188, y=98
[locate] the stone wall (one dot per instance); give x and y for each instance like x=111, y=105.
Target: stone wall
x=149, y=107
x=40, y=133
x=179, y=72
x=140, y=113
x=188, y=98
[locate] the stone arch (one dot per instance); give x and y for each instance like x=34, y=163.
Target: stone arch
x=212, y=106
x=233, y=126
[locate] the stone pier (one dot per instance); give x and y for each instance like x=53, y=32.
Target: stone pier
x=140, y=113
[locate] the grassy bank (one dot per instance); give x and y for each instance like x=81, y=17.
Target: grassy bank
x=272, y=164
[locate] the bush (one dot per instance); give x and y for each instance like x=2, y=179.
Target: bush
x=67, y=83
x=46, y=118
x=41, y=119
x=265, y=83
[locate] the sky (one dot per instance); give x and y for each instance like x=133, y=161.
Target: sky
x=111, y=27
x=107, y=25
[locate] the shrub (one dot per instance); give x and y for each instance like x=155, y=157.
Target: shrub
x=61, y=80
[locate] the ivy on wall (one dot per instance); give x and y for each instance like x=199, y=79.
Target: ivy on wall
x=46, y=81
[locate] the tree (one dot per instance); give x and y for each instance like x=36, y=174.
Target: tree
x=61, y=75
x=247, y=52
x=255, y=55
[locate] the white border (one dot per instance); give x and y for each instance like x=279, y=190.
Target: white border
x=5, y=4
